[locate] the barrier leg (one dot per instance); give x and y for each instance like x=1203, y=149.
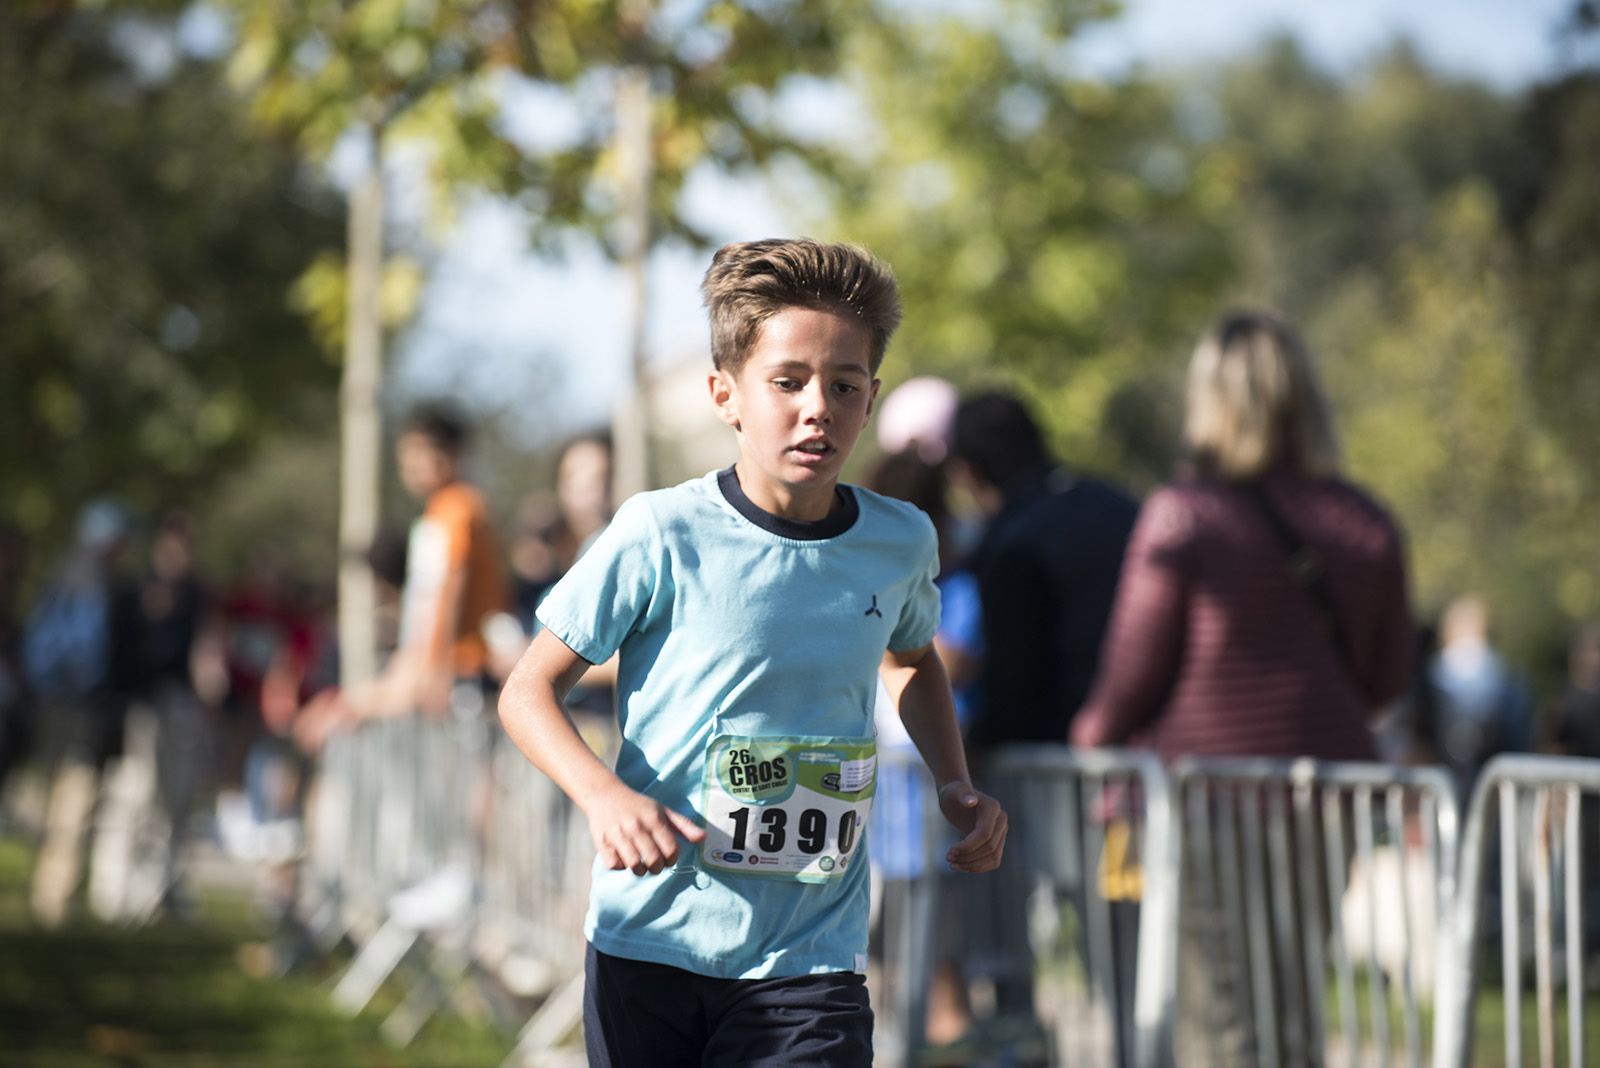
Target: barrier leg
x=375, y=963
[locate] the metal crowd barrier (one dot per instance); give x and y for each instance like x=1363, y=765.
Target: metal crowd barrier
x=1233, y=912
x=1298, y=875
x=445, y=858
x=1070, y=938
x=405, y=872
x=1536, y=819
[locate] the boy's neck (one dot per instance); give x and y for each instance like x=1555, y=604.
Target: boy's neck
x=808, y=504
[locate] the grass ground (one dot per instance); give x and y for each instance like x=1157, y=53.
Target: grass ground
x=175, y=995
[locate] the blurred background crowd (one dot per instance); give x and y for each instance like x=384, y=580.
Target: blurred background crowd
x=215, y=216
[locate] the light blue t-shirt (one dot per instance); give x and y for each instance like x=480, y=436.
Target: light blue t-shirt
x=733, y=621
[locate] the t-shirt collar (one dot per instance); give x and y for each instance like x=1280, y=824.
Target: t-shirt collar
x=836, y=522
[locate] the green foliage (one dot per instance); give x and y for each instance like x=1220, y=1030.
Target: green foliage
x=1051, y=230
x=148, y=238
x=1441, y=420
x=1553, y=209
x=435, y=74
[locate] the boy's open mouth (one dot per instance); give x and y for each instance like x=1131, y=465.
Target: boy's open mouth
x=813, y=450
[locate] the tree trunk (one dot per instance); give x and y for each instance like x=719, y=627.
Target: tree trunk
x=630, y=428
x=361, y=425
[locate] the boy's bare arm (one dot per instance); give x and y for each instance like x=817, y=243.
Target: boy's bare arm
x=920, y=689
x=630, y=830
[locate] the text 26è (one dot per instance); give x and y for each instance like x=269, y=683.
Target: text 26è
x=745, y=770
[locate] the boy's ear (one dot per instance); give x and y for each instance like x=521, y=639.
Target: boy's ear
x=723, y=397
x=872, y=395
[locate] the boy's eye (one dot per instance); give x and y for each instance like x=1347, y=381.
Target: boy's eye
x=788, y=385
x=846, y=387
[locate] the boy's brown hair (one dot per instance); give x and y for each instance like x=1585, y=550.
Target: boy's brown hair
x=748, y=282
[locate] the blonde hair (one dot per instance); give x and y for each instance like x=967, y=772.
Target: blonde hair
x=1254, y=402
x=751, y=281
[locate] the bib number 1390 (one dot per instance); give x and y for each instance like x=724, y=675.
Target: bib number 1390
x=811, y=830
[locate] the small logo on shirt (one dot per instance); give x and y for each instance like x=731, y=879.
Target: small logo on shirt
x=873, y=610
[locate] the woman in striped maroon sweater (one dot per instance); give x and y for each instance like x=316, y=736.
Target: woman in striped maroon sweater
x=1220, y=644
x=1261, y=612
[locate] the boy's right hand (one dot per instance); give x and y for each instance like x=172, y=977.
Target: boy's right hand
x=633, y=832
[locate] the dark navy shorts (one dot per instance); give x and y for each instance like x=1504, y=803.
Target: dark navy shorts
x=638, y=1013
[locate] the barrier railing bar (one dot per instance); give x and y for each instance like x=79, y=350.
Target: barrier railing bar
x=1315, y=922
x=1377, y=1003
x=1333, y=839
x=1262, y=967
x=1102, y=973
x=1544, y=987
x=1574, y=911
x=1084, y=1007
x=1233, y=916
x=1510, y=930
x=1210, y=897
x=1408, y=994
x=1297, y=1037
x=1155, y=991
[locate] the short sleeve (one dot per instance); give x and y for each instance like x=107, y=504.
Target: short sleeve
x=457, y=511
x=608, y=592
x=919, y=616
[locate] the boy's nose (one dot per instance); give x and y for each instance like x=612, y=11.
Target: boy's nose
x=816, y=406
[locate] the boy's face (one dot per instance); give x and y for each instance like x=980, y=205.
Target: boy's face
x=798, y=403
x=424, y=467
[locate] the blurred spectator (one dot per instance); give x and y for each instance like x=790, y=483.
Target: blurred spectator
x=454, y=580
x=140, y=842
x=1047, y=567
x=541, y=550
x=1482, y=706
x=255, y=619
x=915, y=417
x=1047, y=571
x=898, y=825
x=1411, y=733
x=1578, y=734
x=584, y=497
x=1578, y=712
x=583, y=491
x=16, y=697
x=301, y=706
x=1262, y=612
x=76, y=656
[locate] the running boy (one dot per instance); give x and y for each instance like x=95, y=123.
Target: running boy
x=754, y=609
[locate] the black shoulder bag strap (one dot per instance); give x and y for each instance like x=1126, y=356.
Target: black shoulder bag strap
x=1305, y=569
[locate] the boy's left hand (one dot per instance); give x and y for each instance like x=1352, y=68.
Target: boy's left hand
x=980, y=817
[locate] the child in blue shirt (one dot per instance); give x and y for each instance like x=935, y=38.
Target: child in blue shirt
x=754, y=610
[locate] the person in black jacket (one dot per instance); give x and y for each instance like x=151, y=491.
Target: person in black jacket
x=1047, y=568
x=16, y=697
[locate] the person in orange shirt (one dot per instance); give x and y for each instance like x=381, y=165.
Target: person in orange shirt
x=454, y=580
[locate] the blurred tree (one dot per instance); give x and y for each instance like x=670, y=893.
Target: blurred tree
x=437, y=75
x=1338, y=175
x=1552, y=204
x=1427, y=361
x=1049, y=229
x=149, y=236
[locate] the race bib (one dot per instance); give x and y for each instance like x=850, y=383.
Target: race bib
x=789, y=807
